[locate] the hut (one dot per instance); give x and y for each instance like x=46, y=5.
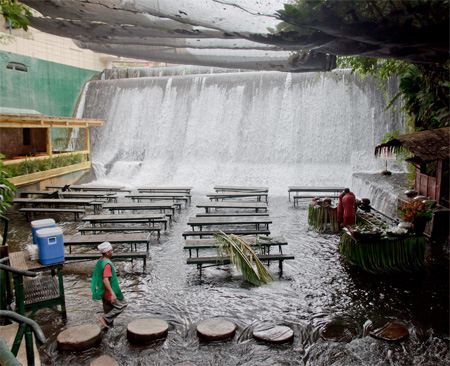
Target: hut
x=431, y=153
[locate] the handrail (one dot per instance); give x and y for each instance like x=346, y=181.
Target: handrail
x=16, y=270
x=38, y=333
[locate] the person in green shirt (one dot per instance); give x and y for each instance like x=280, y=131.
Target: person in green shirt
x=105, y=286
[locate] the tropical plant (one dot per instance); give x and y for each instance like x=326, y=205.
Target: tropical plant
x=16, y=13
x=243, y=257
x=414, y=209
x=7, y=189
x=29, y=166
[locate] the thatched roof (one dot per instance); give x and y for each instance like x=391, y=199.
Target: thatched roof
x=427, y=145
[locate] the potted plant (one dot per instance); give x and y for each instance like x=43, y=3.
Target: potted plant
x=418, y=212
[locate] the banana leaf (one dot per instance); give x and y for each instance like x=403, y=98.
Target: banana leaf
x=323, y=218
x=381, y=256
x=243, y=257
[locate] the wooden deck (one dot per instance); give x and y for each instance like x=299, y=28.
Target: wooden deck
x=257, y=206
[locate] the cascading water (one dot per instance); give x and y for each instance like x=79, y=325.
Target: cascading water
x=252, y=128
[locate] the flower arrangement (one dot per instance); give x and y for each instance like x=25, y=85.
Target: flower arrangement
x=416, y=208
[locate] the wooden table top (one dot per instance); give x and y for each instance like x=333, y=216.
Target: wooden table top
x=137, y=205
x=165, y=189
x=112, y=238
x=229, y=220
x=20, y=260
x=62, y=201
x=157, y=195
x=123, y=217
x=237, y=194
x=96, y=188
x=240, y=188
x=315, y=189
x=232, y=205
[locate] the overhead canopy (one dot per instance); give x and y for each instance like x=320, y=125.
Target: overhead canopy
x=249, y=34
x=426, y=145
x=41, y=121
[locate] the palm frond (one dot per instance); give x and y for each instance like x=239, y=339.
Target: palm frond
x=243, y=257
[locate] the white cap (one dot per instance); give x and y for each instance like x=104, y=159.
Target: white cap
x=105, y=247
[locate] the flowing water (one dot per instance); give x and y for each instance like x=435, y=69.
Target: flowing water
x=263, y=129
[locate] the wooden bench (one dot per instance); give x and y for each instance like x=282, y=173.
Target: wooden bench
x=265, y=243
x=226, y=214
x=150, y=229
x=298, y=197
x=236, y=232
x=218, y=261
x=32, y=210
x=335, y=190
x=116, y=255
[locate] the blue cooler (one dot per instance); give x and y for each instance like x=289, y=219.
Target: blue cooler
x=40, y=224
x=51, y=245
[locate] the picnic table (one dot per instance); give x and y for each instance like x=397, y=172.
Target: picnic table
x=99, y=188
x=149, y=218
x=232, y=220
x=240, y=189
x=264, y=242
x=182, y=189
x=135, y=238
x=233, y=205
x=162, y=207
x=160, y=196
x=335, y=190
x=24, y=194
x=231, y=195
x=109, y=196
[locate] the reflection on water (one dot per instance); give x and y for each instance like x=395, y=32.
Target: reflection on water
x=330, y=305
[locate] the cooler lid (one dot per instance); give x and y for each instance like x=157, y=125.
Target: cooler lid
x=50, y=231
x=42, y=223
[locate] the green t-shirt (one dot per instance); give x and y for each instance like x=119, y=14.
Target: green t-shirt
x=97, y=285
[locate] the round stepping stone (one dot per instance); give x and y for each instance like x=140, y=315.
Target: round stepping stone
x=391, y=331
x=146, y=330
x=104, y=361
x=216, y=329
x=273, y=333
x=185, y=364
x=79, y=338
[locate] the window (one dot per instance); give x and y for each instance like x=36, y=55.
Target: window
x=26, y=137
x=16, y=66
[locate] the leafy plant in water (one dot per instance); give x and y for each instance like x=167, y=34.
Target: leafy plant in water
x=243, y=257
x=7, y=189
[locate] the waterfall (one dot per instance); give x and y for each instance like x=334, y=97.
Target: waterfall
x=245, y=128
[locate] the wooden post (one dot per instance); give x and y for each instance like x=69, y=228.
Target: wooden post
x=49, y=142
x=87, y=140
x=438, y=181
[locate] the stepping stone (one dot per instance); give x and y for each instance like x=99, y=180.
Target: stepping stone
x=216, y=329
x=273, y=333
x=79, y=338
x=185, y=364
x=146, y=330
x=391, y=331
x=104, y=361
